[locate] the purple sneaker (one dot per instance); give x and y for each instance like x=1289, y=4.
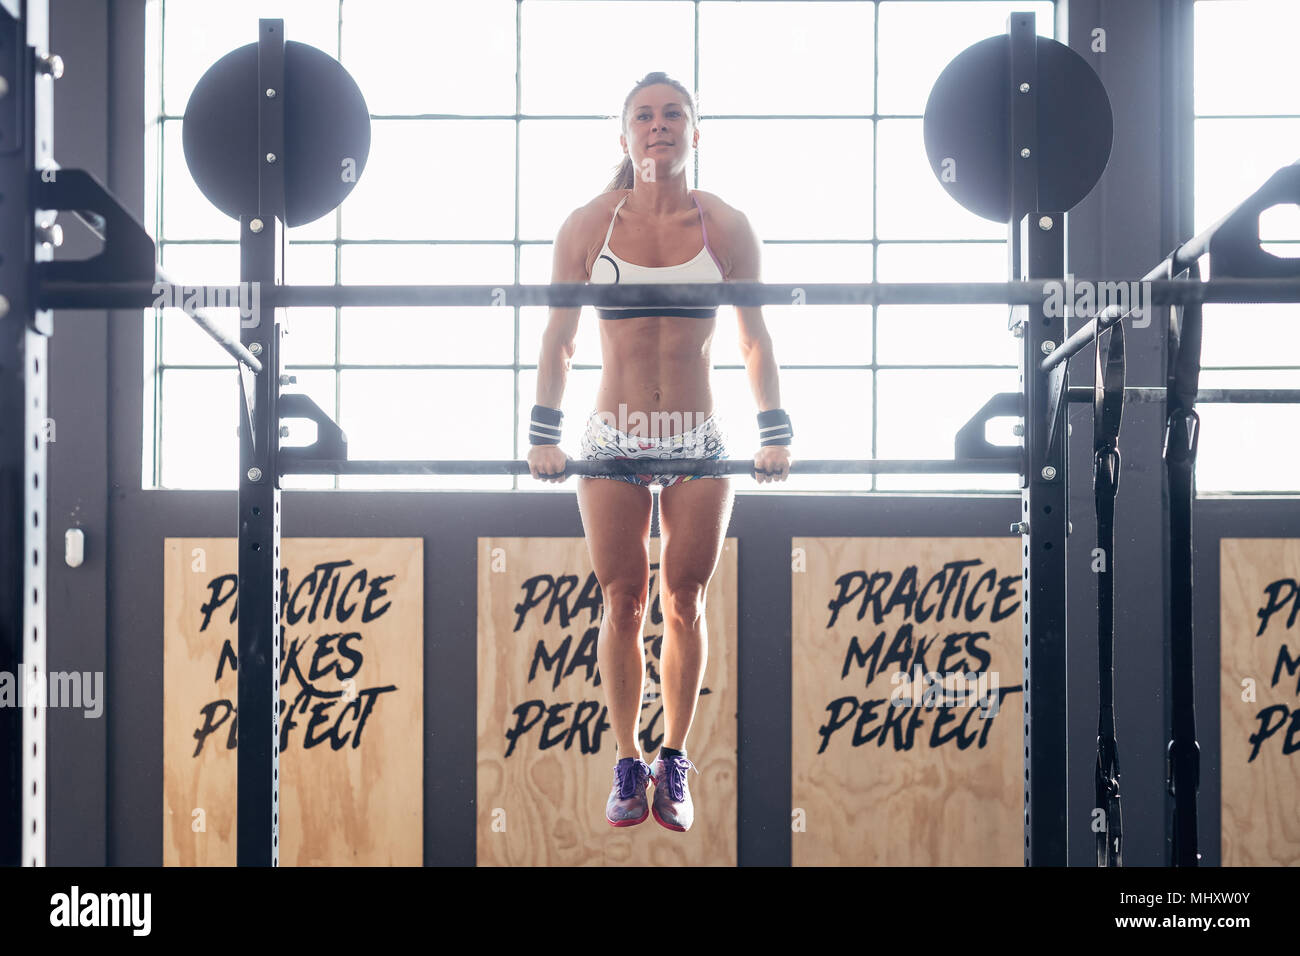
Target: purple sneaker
x=627, y=805
x=672, y=801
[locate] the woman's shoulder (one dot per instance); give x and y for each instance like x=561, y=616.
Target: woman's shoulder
x=603, y=204
x=595, y=212
x=721, y=214
x=587, y=222
x=730, y=234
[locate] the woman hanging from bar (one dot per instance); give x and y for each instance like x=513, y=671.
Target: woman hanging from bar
x=655, y=402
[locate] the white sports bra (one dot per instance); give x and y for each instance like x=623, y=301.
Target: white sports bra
x=609, y=268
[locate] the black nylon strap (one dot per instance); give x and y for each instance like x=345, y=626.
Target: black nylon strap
x=1182, y=429
x=1107, y=412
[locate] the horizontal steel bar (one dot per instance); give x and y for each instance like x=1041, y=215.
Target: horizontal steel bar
x=735, y=466
x=515, y=241
x=1177, y=262
x=1080, y=338
x=1145, y=394
x=125, y=295
x=96, y=225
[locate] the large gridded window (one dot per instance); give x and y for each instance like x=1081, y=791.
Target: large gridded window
x=1247, y=109
x=492, y=120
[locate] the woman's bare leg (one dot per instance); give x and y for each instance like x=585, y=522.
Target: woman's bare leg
x=616, y=518
x=694, y=516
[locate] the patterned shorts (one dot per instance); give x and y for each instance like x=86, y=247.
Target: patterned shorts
x=603, y=442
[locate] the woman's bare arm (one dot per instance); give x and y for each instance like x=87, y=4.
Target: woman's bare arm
x=771, y=462
x=569, y=264
x=755, y=342
x=547, y=461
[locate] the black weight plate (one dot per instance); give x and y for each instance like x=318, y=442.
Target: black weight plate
x=967, y=122
x=326, y=127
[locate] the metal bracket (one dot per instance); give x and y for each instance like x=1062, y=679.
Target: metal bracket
x=129, y=253
x=330, y=444
x=970, y=441
x=1235, y=246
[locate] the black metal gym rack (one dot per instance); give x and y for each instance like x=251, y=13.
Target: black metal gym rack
x=124, y=275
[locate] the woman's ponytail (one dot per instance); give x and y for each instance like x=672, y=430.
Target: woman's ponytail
x=622, y=177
